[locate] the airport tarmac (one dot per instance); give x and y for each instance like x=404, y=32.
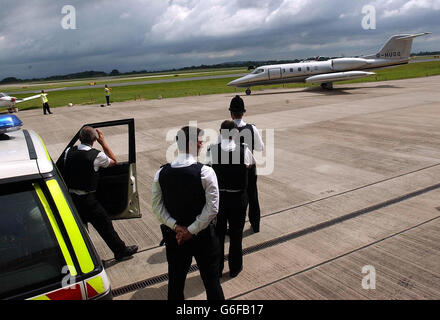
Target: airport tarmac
x=354, y=184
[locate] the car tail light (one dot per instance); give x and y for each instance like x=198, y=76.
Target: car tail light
x=71, y=293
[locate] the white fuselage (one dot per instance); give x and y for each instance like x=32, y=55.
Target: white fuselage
x=6, y=101
x=10, y=102
x=310, y=71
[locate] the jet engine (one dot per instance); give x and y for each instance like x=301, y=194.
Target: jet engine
x=345, y=64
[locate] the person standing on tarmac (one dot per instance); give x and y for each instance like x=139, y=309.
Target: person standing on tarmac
x=45, y=101
x=231, y=163
x=256, y=143
x=185, y=199
x=107, y=94
x=81, y=166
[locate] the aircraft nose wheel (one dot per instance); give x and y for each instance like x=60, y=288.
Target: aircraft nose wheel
x=248, y=92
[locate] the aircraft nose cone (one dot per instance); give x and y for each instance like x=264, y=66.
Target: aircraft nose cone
x=232, y=83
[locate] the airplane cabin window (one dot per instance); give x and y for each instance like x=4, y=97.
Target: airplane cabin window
x=308, y=69
x=299, y=69
x=291, y=69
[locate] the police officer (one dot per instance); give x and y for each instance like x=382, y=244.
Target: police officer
x=230, y=163
x=185, y=199
x=107, y=94
x=81, y=166
x=249, y=133
x=45, y=102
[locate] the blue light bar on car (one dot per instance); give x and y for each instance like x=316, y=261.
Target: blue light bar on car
x=9, y=123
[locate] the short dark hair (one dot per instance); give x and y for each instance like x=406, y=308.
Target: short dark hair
x=87, y=135
x=186, y=135
x=237, y=115
x=228, y=129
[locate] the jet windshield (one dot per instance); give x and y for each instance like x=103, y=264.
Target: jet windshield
x=258, y=71
x=2, y=95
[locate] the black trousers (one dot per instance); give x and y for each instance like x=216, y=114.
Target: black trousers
x=90, y=210
x=108, y=100
x=204, y=247
x=232, y=211
x=46, y=108
x=254, y=204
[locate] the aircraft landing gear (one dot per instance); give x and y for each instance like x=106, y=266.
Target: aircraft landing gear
x=248, y=92
x=327, y=86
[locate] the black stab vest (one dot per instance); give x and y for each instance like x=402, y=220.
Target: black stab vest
x=182, y=192
x=229, y=167
x=251, y=132
x=79, y=169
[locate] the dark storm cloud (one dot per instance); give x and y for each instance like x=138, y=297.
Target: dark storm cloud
x=155, y=34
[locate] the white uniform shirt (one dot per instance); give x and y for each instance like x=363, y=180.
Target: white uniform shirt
x=101, y=161
x=258, y=141
x=230, y=145
x=209, y=183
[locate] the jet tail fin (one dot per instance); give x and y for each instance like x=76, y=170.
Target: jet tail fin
x=397, y=47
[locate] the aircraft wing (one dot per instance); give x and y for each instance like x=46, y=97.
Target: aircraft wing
x=338, y=76
x=28, y=98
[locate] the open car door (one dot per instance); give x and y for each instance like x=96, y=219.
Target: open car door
x=117, y=190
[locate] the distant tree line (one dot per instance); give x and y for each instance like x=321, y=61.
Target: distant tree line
x=248, y=64
x=426, y=53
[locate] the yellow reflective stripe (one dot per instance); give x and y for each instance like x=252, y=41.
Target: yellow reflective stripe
x=56, y=229
x=97, y=284
x=43, y=297
x=44, y=146
x=79, y=246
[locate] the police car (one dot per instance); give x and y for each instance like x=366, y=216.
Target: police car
x=45, y=250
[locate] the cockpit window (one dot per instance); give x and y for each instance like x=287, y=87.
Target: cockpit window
x=2, y=95
x=258, y=71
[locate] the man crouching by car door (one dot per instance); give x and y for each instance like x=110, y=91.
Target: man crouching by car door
x=81, y=166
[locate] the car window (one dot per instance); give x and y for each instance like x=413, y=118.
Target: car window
x=30, y=256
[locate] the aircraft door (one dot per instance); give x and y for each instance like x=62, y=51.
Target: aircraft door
x=274, y=73
x=117, y=190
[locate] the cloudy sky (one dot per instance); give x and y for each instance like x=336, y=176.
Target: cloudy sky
x=161, y=34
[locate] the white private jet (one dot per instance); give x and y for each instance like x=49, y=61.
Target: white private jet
x=395, y=52
x=10, y=102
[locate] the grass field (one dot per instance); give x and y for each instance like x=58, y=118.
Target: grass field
x=425, y=57
x=203, y=87
x=118, y=79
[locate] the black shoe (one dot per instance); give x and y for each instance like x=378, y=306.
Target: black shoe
x=255, y=229
x=233, y=274
x=127, y=253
